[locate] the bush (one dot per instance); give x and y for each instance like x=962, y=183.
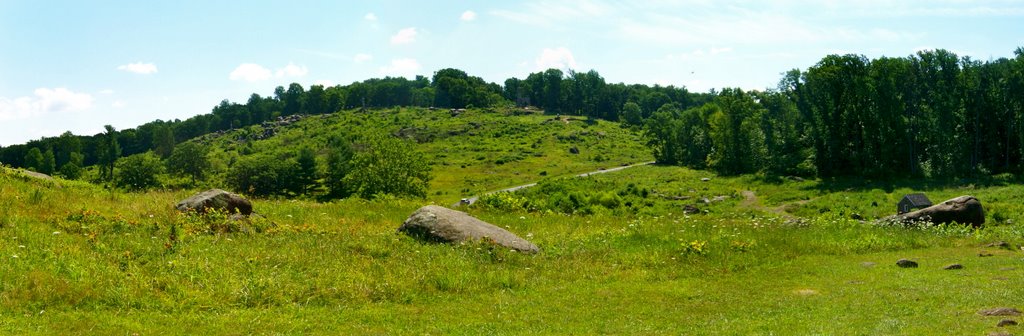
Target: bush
x=138, y=172
x=388, y=166
x=264, y=176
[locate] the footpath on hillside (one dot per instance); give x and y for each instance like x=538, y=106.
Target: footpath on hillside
x=473, y=199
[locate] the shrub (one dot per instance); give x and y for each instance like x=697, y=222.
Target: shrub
x=138, y=172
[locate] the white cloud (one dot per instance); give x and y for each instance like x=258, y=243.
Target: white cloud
x=45, y=101
x=325, y=82
x=118, y=104
x=468, y=16
x=360, y=58
x=370, y=17
x=558, y=58
x=404, y=36
x=139, y=68
x=402, y=67
x=107, y=91
x=292, y=70
x=250, y=72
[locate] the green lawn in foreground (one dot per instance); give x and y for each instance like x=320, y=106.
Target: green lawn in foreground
x=340, y=268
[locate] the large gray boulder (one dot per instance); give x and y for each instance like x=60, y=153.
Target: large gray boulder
x=439, y=224
x=963, y=210
x=216, y=199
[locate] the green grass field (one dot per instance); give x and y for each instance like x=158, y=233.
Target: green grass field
x=83, y=260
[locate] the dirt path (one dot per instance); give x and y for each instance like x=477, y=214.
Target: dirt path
x=751, y=201
x=471, y=200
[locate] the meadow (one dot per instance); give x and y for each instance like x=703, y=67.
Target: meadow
x=775, y=257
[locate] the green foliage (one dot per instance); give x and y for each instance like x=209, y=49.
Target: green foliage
x=139, y=171
x=306, y=175
x=72, y=170
x=108, y=151
x=34, y=159
x=388, y=166
x=263, y=175
x=48, y=165
x=189, y=159
x=631, y=114
x=339, y=164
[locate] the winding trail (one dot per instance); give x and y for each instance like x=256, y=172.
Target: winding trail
x=471, y=200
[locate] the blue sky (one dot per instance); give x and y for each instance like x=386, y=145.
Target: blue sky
x=78, y=65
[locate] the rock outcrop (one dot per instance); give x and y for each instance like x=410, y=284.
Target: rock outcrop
x=963, y=210
x=216, y=199
x=439, y=224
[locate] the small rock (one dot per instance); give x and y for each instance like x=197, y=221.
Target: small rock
x=906, y=263
x=867, y=264
x=1006, y=323
x=1007, y=268
x=999, y=244
x=805, y=292
x=984, y=254
x=1001, y=311
x=690, y=209
x=705, y=179
x=574, y=150
x=856, y=216
x=953, y=267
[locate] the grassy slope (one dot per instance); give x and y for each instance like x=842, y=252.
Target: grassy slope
x=339, y=268
x=474, y=152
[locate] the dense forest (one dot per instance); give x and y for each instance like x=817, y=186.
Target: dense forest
x=931, y=114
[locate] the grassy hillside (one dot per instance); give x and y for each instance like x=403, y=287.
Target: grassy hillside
x=83, y=260
x=473, y=151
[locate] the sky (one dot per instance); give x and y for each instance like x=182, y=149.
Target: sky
x=79, y=65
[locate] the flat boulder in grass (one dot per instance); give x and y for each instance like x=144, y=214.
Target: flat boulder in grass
x=216, y=199
x=963, y=210
x=439, y=224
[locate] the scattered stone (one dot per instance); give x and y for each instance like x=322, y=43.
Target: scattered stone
x=985, y=254
x=874, y=204
x=805, y=292
x=999, y=244
x=906, y=263
x=37, y=175
x=953, y=267
x=1001, y=311
x=719, y=198
x=856, y=216
x=442, y=225
x=796, y=222
x=705, y=179
x=795, y=178
x=690, y=209
x=216, y=199
x=574, y=150
x=963, y=210
x=867, y=264
x=1006, y=323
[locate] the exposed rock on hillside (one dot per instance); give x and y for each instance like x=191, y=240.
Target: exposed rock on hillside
x=216, y=199
x=963, y=210
x=439, y=224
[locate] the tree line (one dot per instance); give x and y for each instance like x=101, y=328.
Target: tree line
x=931, y=114
x=554, y=91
